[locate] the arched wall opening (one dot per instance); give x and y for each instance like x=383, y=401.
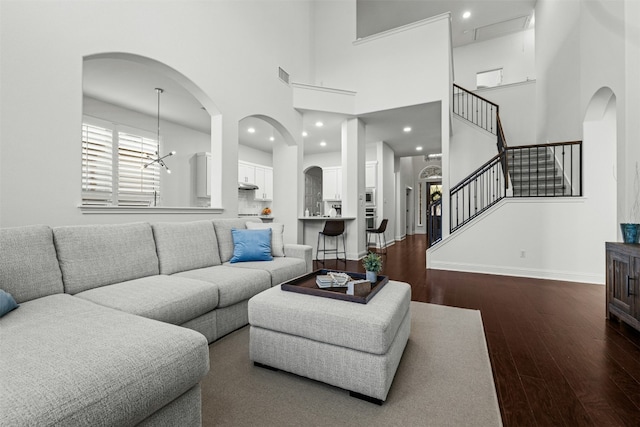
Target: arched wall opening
x=121, y=87
x=600, y=160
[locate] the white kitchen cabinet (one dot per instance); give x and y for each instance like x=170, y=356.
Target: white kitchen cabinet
x=246, y=172
x=203, y=175
x=260, y=175
x=264, y=181
x=371, y=174
x=332, y=183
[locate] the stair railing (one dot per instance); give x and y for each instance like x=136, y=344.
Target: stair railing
x=546, y=170
x=478, y=192
x=476, y=109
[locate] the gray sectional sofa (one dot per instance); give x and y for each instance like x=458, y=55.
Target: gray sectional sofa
x=114, y=320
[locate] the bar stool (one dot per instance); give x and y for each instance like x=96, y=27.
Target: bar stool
x=331, y=229
x=379, y=231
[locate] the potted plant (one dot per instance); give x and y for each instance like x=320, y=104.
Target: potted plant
x=372, y=264
x=631, y=230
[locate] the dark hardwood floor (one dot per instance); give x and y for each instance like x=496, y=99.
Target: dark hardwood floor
x=556, y=359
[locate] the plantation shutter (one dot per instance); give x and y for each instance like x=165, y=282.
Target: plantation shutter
x=136, y=184
x=97, y=165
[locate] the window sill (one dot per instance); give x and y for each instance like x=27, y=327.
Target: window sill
x=148, y=210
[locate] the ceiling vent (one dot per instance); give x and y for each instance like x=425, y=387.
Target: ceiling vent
x=283, y=75
x=501, y=28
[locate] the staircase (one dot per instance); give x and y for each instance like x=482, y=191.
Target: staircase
x=534, y=172
x=539, y=170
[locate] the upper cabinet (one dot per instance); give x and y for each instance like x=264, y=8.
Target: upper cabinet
x=262, y=176
x=246, y=172
x=264, y=181
x=332, y=183
x=371, y=174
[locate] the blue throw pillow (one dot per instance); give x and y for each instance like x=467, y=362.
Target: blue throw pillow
x=251, y=245
x=7, y=303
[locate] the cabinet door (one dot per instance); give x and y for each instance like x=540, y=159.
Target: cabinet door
x=620, y=283
x=371, y=175
x=339, y=184
x=329, y=184
x=264, y=181
x=246, y=173
x=268, y=184
x=634, y=285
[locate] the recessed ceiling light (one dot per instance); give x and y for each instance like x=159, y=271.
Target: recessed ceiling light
x=251, y=130
x=271, y=138
x=319, y=124
x=418, y=148
x=323, y=143
x=304, y=134
x=466, y=15
x=407, y=129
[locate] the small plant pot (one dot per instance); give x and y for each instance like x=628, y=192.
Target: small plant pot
x=372, y=276
x=630, y=232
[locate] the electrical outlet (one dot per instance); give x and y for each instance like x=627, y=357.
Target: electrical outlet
x=523, y=253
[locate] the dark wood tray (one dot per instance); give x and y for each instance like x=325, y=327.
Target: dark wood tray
x=307, y=285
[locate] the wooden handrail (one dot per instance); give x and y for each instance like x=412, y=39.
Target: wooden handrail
x=477, y=96
x=548, y=144
x=473, y=174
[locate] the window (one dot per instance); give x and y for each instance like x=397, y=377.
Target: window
x=113, y=172
x=97, y=165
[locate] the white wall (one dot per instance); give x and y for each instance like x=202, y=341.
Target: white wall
x=371, y=66
x=514, y=53
x=231, y=50
x=322, y=160
x=252, y=155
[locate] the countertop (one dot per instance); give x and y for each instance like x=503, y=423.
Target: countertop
x=326, y=218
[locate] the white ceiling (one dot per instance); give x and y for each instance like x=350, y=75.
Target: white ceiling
x=132, y=85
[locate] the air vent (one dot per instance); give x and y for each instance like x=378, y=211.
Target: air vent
x=283, y=75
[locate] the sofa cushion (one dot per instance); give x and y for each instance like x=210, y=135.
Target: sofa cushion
x=251, y=245
x=170, y=299
x=67, y=361
x=223, y=228
x=281, y=269
x=28, y=263
x=234, y=284
x=277, y=235
x=7, y=303
x=96, y=255
x=185, y=245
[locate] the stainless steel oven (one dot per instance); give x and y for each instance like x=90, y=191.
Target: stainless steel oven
x=370, y=216
x=370, y=196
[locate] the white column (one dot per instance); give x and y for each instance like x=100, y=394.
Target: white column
x=353, y=185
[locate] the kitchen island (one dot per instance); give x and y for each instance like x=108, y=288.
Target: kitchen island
x=314, y=224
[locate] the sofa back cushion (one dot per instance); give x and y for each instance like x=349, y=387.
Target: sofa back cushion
x=223, y=228
x=28, y=263
x=91, y=256
x=185, y=245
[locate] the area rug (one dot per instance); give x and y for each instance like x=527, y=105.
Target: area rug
x=444, y=379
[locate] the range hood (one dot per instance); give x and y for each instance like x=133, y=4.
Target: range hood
x=246, y=186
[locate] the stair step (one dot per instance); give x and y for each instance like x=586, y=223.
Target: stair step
x=526, y=179
x=541, y=193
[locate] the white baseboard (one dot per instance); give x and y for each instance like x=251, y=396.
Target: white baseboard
x=567, y=276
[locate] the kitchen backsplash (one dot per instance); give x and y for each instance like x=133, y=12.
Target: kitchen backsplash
x=247, y=205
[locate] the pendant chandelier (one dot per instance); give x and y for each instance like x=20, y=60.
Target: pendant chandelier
x=157, y=159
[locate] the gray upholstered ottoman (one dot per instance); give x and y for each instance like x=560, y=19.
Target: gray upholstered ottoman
x=349, y=345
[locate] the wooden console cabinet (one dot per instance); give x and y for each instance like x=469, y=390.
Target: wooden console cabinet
x=623, y=283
